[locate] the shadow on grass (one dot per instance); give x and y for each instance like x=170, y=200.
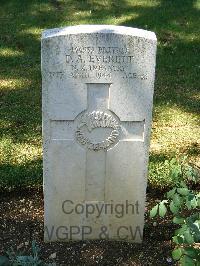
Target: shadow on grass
x=178, y=68
x=21, y=176
x=177, y=59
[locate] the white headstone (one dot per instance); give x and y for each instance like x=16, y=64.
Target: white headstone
x=98, y=83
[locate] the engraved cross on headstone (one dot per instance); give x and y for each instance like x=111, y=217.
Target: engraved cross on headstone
x=97, y=130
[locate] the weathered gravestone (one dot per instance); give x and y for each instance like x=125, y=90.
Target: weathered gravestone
x=98, y=86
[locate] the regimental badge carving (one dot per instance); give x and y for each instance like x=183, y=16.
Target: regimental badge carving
x=97, y=119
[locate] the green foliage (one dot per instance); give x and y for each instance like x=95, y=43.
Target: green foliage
x=18, y=259
x=163, y=174
x=184, y=204
x=4, y=261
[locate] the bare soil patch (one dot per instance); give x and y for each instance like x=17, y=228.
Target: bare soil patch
x=21, y=221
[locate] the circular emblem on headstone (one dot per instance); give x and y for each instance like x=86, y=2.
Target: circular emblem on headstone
x=93, y=120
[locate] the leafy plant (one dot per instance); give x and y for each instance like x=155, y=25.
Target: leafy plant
x=19, y=259
x=183, y=204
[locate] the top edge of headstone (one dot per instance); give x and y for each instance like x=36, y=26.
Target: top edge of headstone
x=80, y=29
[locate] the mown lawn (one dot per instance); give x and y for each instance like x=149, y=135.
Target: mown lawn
x=175, y=130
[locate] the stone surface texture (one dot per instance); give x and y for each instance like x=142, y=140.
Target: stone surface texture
x=97, y=86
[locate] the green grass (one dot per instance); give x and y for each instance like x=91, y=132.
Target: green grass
x=176, y=103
